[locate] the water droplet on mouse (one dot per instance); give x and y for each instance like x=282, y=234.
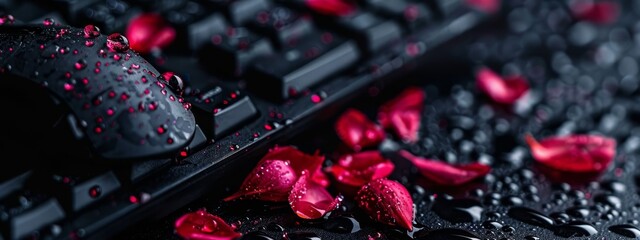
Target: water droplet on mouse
x=7, y=19
x=91, y=31
x=342, y=224
x=575, y=229
x=626, y=230
x=530, y=216
x=80, y=64
x=174, y=81
x=48, y=22
x=116, y=42
x=458, y=210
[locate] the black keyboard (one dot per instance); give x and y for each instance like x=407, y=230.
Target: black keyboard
x=254, y=71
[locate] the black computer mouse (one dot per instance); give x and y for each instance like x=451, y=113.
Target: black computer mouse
x=70, y=90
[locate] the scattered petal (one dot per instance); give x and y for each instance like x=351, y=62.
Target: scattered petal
x=310, y=200
x=601, y=12
x=388, y=202
x=357, y=131
x=270, y=180
x=332, y=7
x=300, y=161
x=487, y=6
x=201, y=225
x=148, y=31
x=574, y=153
x=403, y=114
x=446, y=174
x=501, y=90
x=360, y=168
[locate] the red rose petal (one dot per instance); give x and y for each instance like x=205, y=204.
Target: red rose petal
x=201, y=225
x=574, y=153
x=357, y=131
x=446, y=174
x=388, y=202
x=403, y=114
x=332, y=7
x=310, y=200
x=501, y=90
x=487, y=6
x=148, y=31
x=300, y=161
x=360, y=168
x=601, y=12
x=270, y=180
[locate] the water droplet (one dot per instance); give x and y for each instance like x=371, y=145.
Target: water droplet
x=578, y=212
x=68, y=87
x=6, y=19
x=491, y=225
x=608, y=200
x=89, y=43
x=301, y=236
x=626, y=230
x=275, y=227
x=80, y=64
x=342, y=224
x=530, y=216
x=575, y=229
x=48, y=22
x=91, y=31
x=116, y=42
x=450, y=234
x=258, y=235
x=95, y=191
x=458, y=210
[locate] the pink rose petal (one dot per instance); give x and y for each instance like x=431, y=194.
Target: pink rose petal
x=387, y=202
x=270, y=180
x=501, y=90
x=360, y=168
x=357, y=131
x=574, y=153
x=310, y=200
x=300, y=161
x=332, y=7
x=446, y=174
x=148, y=31
x=403, y=114
x=201, y=225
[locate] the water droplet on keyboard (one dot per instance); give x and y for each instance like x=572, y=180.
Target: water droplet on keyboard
x=116, y=42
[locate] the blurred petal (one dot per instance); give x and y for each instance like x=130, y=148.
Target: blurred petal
x=601, y=12
x=201, y=225
x=360, y=168
x=332, y=7
x=310, y=200
x=574, y=153
x=270, y=180
x=501, y=90
x=357, y=131
x=403, y=114
x=149, y=30
x=300, y=161
x=446, y=174
x=387, y=202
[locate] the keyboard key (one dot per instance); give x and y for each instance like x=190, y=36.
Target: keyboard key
x=14, y=183
x=70, y=8
x=371, y=32
x=77, y=190
x=448, y=8
x=143, y=168
x=312, y=60
x=241, y=11
x=110, y=16
x=220, y=110
x=281, y=25
x=23, y=213
x=194, y=25
x=409, y=15
x=232, y=52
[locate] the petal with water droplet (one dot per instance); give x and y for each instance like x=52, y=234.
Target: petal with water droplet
x=360, y=168
x=387, y=202
x=310, y=200
x=505, y=90
x=403, y=114
x=574, y=153
x=447, y=174
x=201, y=225
x=270, y=180
x=300, y=161
x=357, y=131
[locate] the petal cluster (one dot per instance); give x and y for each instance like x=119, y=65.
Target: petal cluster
x=360, y=168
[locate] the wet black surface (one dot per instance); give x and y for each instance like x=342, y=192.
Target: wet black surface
x=583, y=79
